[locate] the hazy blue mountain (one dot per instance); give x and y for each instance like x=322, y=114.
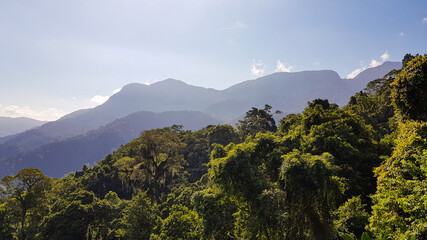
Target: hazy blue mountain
x=167, y=95
x=360, y=81
x=58, y=158
x=288, y=92
x=10, y=126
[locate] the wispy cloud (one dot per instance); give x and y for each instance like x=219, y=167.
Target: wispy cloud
x=356, y=72
x=385, y=56
x=424, y=19
x=401, y=34
x=49, y=114
x=374, y=63
x=280, y=67
x=257, y=68
x=236, y=25
x=117, y=90
x=99, y=99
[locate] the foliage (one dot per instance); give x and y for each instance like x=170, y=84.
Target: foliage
x=217, y=211
x=400, y=209
x=351, y=218
x=81, y=215
x=311, y=190
x=348, y=139
x=257, y=120
x=25, y=190
x=139, y=218
x=182, y=223
x=6, y=223
x=312, y=179
x=409, y=90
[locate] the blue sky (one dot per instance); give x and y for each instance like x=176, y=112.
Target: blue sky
x=60, y=56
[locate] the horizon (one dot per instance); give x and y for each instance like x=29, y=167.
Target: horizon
x=47, y=116
x=61, y=57
x=102, y=99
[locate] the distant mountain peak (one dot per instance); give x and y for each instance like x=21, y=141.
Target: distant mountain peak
x=382, y=69
x=169, y=82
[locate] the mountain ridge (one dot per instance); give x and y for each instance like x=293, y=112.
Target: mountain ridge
x=288, y=92
x=10, y=125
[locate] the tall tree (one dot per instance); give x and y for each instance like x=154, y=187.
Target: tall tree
x=345, y=136
x=138, y=218
x=400, y=203
x=257, y=120
x=159, y=158
x=409, y=90
x=311, y=190
x=27, y=188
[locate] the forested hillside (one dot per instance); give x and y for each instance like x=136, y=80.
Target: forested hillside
x=326, y=173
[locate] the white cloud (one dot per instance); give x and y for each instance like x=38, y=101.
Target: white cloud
x=147, y=83
x=237, y=25
x=50, y=114
x=424, y=19
x=355, y=72
x=385, y=56
x=374, y=63
x=98, y=99
x=401, y=34
x=257, y=68
x=280, y=67
x=117, y=90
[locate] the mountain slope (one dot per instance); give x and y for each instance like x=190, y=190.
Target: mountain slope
x=9, y=126
x=58, y=158
x=288, y=92
x=360, y=81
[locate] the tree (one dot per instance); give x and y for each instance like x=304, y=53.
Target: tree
x=400, y=203
x=182, y=223
x=27, y=188
x=248, y=174
x=311, y=190
x=374, y=106
x=257, y=120
x=345, y=136
x=216, y=210
x=69, y=217
x=351, y=218
x=138, y=218
x=222, y=134
x=409, y=90
x=6, y=222
x=324, y=103
x=159, y=158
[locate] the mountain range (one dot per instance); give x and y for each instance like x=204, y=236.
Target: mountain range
x=10, y=126
x=64, y=145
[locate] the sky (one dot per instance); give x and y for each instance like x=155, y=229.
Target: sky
x=60, y=56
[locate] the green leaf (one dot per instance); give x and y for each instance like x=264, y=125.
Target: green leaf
x=365, y=236
x=347, y=237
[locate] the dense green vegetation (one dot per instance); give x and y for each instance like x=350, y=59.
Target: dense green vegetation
x=327, y=173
